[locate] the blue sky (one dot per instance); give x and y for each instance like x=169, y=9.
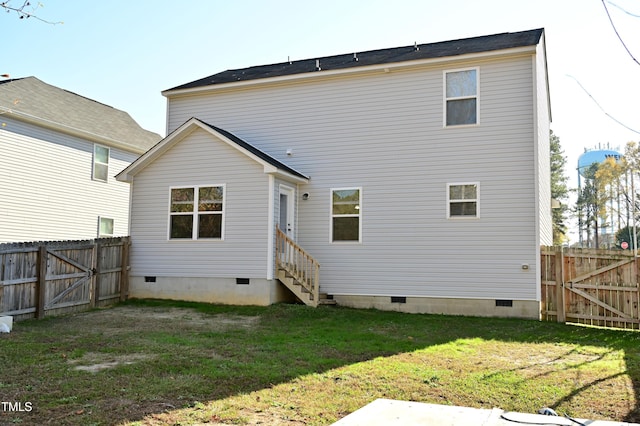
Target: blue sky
x=124, y=53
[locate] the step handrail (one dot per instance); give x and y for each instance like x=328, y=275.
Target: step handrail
x=298, y=263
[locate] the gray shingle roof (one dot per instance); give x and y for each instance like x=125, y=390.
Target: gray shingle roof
x=373, y=57
x=32, y=99
x=255, y=151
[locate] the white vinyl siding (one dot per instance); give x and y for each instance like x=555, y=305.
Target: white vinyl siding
x=60, y=201
x=543, y=156
x=384, y=132
x=246, y=198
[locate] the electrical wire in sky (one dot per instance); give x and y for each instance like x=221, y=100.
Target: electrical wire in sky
x=602, y=109
x=616, y=31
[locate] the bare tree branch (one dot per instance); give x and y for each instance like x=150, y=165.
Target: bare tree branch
x=25, y=11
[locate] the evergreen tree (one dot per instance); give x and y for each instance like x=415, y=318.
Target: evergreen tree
x=559, y=189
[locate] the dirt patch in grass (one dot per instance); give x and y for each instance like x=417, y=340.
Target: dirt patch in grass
x=128, y=317
x=93, y=362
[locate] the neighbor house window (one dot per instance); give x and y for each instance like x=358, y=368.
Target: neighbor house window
x=197, y=212
x=105, y=227
x=462, y=200
x=100, y=163
x=346, y=214
x=461, y=97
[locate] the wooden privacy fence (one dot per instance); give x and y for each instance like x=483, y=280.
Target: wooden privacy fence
x=588, y=286
x=50, y=278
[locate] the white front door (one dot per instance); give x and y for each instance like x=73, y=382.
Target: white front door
x=287, y=207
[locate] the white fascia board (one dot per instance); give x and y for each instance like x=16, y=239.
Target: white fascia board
x=63, y=128
x=268, y=167
x=285, y=175
x=183, y=131
x=157, y=150
x=354, y=70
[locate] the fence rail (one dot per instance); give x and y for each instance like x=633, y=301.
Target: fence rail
x=588, y=286
x=56, y=277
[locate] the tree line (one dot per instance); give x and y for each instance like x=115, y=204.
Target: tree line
x=607, y=206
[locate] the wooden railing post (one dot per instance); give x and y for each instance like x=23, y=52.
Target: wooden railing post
x=559, y=270
x=41, y=283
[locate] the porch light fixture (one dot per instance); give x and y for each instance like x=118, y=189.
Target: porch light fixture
x=305, y=196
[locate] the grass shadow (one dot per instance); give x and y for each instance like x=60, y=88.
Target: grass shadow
x=172, y=367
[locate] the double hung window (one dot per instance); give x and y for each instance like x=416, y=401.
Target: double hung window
x=461, y=97
x=105, y=227
x=462, y=200
x=100, y=163
x=197, y=213
x=346, y=224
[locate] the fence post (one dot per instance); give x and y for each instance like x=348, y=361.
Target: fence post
x=41, y=283
x=95, y=274
x=636, y=276
x=559, y=270
x=124, y=272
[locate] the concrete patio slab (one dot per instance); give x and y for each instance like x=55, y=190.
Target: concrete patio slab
x=387, y=412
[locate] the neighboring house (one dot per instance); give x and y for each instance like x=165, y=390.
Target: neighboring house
x=418, y=178
x=59, y=153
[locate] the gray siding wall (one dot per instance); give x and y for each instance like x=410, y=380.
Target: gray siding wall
x=384, y=132
x=199, y=159
x=46, y=187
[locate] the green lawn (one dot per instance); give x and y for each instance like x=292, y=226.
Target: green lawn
x=156, y=363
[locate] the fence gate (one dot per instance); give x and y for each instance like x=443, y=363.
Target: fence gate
x=56, y=277
x=588, y=286
x=69, y=274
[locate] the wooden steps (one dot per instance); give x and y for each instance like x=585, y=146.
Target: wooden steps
x=299, y=271
x=301, y=292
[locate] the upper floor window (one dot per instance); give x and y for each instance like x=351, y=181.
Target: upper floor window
x=462, y=200
x=345, y=215
x=100, y=163
x=461, y=97
x=197, y=212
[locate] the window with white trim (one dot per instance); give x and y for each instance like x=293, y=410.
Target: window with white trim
x=197, y=212
x=101, y=163
x=105, y=227
x=346, y=224
x=461, y=97
x=462, y=200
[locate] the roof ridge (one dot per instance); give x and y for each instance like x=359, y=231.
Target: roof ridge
x=456, y=47
x=412, y=47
